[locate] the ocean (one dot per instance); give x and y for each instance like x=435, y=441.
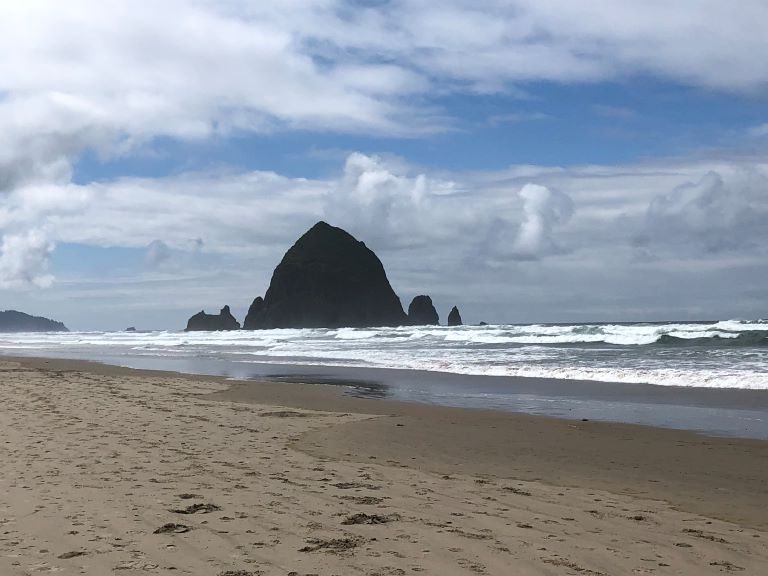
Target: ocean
x=601, y=371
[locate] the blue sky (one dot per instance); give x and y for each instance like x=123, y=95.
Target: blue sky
x=527, y=161
x=606, y=123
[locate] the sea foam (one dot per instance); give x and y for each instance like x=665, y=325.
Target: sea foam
x=722, y=354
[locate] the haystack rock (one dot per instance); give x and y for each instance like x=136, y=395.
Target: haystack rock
x=454, y=318
x=15, y=321
x=212, y=322
x=421, y=312
x=327, y=279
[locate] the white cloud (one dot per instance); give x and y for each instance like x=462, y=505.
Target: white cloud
x=107, y=75
x=372, y=197
x=524, y=212
x=482, y=239
x=543, y=209
x=24, y=260
x=713, y=213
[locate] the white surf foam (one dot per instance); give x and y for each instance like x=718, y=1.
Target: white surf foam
x=605, y=352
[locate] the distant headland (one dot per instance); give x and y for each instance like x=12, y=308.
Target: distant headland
x=327, y=279
x=15, y=321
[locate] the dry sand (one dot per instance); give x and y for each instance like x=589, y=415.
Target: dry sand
x=247, y=479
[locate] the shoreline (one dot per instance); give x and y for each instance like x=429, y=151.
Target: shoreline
x=679, y=466
x=110, y=469
x=715, y=412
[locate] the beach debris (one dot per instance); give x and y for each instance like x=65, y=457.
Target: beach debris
x=704, y=535
x=172, y=528
x=363, y=500
x=565, y=562
x=188, y=496
x=333, y=545
x=286, y=414
x=238, y=573
x=728, y=566
x=351, y=485
x=73, y=554
x=471, y=535
x=517, y=491
x=363, y=518
x=198, y=508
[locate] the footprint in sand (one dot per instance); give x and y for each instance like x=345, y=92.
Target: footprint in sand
x=363, y=518
x=197, y=508
x=172, y=528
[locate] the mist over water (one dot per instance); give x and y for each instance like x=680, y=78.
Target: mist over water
x=724, y=354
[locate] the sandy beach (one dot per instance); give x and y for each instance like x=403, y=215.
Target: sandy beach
x=109, y=470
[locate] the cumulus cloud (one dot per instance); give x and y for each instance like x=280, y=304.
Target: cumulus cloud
x=241, y=214
x=480, y=238
x=543, y=209
x=714, y=213
x=524, y=212
x=370, y=196
x=24, y=260
x=194, y=69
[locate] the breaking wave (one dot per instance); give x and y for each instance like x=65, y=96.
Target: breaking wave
x=723, y=354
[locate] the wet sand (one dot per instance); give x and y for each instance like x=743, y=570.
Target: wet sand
x=727, y=412
x=260, y=478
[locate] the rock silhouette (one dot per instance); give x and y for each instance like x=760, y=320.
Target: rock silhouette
x=15, y=321
x=211, y=322
x=454, y=318
x=327, y=279
x=421, y=312
x=255, y=315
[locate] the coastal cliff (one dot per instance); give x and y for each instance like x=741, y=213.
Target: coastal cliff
x=15, y=321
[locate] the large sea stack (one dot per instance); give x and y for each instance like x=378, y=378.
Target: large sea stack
x=212, y=322
x=327, y=279
x=422, y=312
x=14, y=321
x=454, y=318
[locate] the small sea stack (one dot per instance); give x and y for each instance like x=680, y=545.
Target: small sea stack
x=254, y=320
x=421, y=312
x=454, y=318
x=202, y=322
